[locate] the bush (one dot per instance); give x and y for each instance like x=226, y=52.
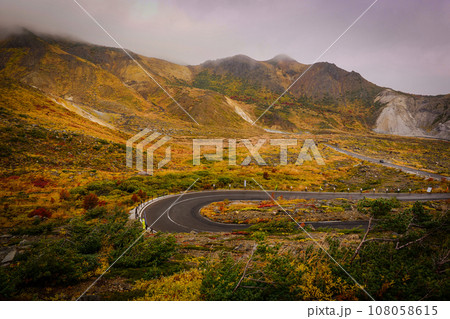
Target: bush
x=120, y=235
x=135, y=198
x=274, y=276
x=90, y=244
x=377, y=208
x=397, y=222
x=131, y=185
x=142, y=195
x=151, y=252
x=41, y=182
x=41, y=212
x=7, y=283
x=53, y=263
x=259, y=235
x=96, y=212
x=64, y=195
x=40, y=229
x=90, y=201
x=80, y=191
x=183, y=286
x=101, y=188
x=224, y=181
x=5, y=150
x=219, y=280
x=420, y=216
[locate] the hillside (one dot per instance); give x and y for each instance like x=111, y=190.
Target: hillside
x=105, y=84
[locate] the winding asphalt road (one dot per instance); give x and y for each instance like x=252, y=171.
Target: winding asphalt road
x=387, y=164
x=181, y=213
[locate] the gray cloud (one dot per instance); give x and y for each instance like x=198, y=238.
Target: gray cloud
x=402, y=44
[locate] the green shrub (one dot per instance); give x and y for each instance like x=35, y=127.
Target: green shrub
x=151, y=252
x=101, y=188
x=131, y=186
x=259, y=235
x=53, y=263
x=90, y=244
x=220, y=279
x=224, y=181
x=34, y=230
x=38, y=133
x=5, y=150
x=96, y=212
x=377, y=208
x=80, y=191
x=7, y=283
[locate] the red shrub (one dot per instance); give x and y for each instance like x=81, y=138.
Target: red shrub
x=41, y=212
x=266, y=205
x=239, y=232
x=142, y=194
x=64, y=195
x=90, y=201
x=135, y=198
x=41, y=182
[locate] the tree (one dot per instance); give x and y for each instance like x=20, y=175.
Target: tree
x=410, y=226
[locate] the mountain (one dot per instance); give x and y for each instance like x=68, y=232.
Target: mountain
x=105, y=86
x=324, y=85
x=277, y=74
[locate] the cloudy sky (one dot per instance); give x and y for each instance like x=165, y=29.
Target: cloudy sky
x=402, y=44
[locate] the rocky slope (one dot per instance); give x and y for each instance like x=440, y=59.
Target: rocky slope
x=408, y=115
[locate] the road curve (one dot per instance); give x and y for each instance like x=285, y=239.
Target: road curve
x=405, y=169
x=181, y=212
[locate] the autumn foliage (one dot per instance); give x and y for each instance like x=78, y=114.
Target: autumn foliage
x=41, y=182
x=135, y=198
x=142, y=195
x=64, y=195
x=90, y=201
x=40, y=212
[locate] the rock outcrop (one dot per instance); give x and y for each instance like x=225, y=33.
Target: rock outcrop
x=412, y=115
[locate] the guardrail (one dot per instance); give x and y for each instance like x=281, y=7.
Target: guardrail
x=137, y=212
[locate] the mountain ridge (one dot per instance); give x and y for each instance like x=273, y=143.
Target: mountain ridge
x=104, y=80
